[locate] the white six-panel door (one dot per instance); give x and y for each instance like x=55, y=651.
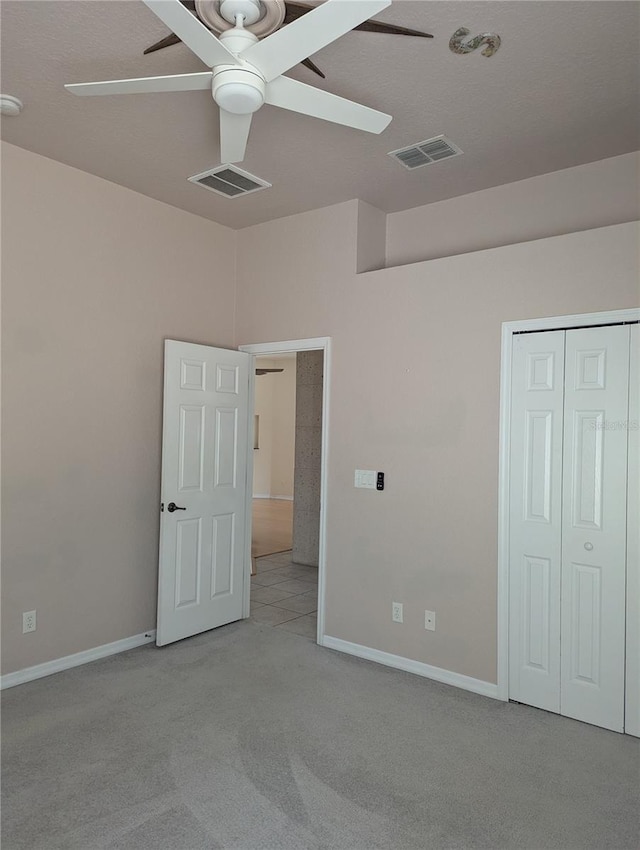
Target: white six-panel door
x=204, y=489
x=569, y=533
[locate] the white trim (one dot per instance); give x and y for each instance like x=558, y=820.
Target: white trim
x=447, y=677
x=322, y=343
x=38, y=671
x=504, y=472
x=248, y=506
x=552, y=323
x=269, y=496
x=290, y=346
x=508, y=329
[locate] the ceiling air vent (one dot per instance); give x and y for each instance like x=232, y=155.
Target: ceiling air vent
x=230, y=181
x=426, y=153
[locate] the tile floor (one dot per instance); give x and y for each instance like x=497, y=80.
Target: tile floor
x=285, y=595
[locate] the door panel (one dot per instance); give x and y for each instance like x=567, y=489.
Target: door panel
x=222, y=560
x=188, y=562
x=632, y=707
x=594, y=525
x=191, y=448
x=204, y=470
x=535, y=526
x=586, y=595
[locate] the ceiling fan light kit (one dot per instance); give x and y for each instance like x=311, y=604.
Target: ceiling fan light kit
x=238, y=90
x=246, y=73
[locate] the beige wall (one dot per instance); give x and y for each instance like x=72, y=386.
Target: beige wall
x=284, y=420
x=263, y=407
x=275, y=399
x=580, y=198
x=414, y=393
x=94, y=278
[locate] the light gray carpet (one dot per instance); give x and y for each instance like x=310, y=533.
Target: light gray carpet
x=251, y=738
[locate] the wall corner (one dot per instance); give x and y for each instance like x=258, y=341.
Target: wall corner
x=371, y=238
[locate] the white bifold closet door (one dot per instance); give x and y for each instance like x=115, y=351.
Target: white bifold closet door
x=594, y=526
x=535, y=520
x=568, y=522
x=632, y=696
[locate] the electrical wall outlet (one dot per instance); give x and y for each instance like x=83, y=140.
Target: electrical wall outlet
x=28, y=622
x=396, y=612
x=430, y=620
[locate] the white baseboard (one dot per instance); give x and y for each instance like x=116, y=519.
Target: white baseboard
x=269, y=496
x=447, y=677
x=261, y=496
x=38, y=671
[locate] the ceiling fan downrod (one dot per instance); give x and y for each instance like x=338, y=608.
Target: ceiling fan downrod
x=250, y=10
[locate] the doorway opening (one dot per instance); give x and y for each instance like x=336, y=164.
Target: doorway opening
x=274, y=414
x=290, y=391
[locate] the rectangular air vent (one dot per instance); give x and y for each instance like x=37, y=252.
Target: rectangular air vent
x=426, y=153
x=230, y=181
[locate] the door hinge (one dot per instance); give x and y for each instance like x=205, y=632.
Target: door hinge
x=161, y=506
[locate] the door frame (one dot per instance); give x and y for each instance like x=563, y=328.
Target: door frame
x=504, y=470
x=292, y=346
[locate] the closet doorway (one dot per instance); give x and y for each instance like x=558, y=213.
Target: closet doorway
x=571, y=515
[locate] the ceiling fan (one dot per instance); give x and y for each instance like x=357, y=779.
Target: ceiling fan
x=267, y=371
x=245, y=73
x=277, y=13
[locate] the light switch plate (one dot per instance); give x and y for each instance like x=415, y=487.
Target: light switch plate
x=365, y=478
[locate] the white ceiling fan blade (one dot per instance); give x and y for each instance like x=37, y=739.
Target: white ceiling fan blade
x=299, y=97
x=142, y=85
x=192, y=32
x=234, y=133
x=308, y=34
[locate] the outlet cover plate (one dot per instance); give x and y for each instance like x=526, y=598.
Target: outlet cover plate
x=28, y=622
x=430, y=621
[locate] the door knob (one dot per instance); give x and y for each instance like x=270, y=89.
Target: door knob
x=588, y=546
x=171, y=507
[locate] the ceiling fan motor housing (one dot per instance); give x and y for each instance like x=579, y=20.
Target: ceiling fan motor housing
x=238, y=88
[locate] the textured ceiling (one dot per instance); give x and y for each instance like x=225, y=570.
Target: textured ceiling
x=562, y=90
